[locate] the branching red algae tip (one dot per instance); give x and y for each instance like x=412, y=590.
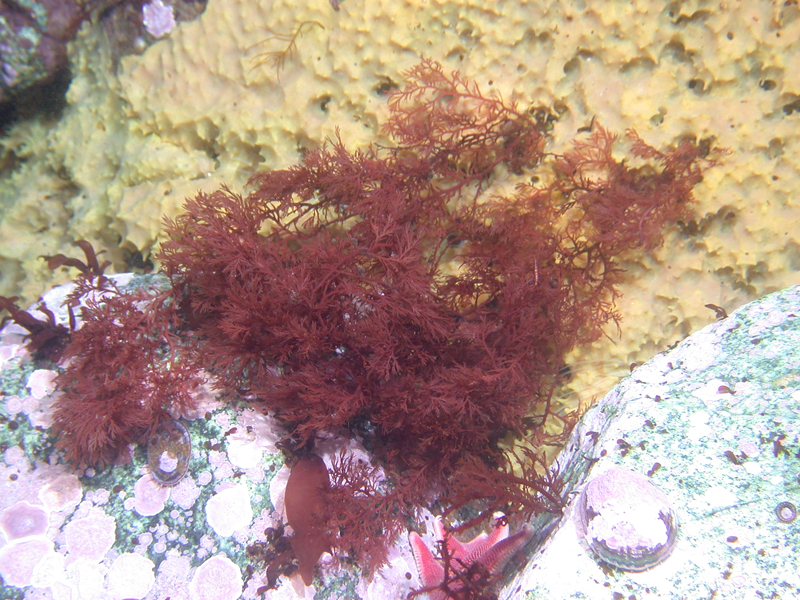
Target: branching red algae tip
x=385, y=295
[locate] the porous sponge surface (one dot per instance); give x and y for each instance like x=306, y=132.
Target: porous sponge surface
x=207, y=106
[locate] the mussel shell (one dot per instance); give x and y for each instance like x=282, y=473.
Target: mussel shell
x=169, y=451
x=626, y=521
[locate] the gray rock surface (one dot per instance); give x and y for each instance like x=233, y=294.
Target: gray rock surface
x=714, y=424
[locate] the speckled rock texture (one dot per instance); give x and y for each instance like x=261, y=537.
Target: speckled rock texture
x=118, y=534
x=715, y=425
x=207, y=105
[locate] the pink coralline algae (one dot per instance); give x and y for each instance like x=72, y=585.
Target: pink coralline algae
x=18, y=559
x=185, y=493
x=23, y=520
x=131, y=576
x=216, y=579
x=62, y=492
x=229, y=510
x=91, y=536
x=41, y=383
x=626, y=521
x=150, y=497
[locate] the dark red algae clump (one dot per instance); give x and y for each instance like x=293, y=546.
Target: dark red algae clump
x=383, y=293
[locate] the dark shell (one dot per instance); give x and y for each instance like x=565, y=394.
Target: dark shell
x=169, y=452
x=626, y=521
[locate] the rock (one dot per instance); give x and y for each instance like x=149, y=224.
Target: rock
x=34, y=35
x=159, y=541
x=34, y=40
x=714, y=424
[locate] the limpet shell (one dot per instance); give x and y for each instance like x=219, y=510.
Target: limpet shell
x=626, y=521
x=786, y=512
x=169, y=452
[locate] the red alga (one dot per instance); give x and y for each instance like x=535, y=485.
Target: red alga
x=382, y=293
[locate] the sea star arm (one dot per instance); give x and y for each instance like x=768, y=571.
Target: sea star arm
x=431, y=573
x=496, y=557
x=492, y=551
x=469, y=552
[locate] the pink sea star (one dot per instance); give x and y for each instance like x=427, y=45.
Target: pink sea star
x=488, y=552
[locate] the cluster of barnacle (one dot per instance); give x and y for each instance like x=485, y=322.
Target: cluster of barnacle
x=381, y=294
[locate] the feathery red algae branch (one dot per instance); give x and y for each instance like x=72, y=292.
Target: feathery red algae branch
x=383, y=294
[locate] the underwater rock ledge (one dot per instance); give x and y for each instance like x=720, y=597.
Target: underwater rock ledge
x=715, y=424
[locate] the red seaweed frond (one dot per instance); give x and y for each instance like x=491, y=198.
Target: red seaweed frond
x=46, y=338
x=371, y=287
x=522, y=487
x=366, y=510
x=625, y=207
x=91, y=268
x=446, y=119
x=125, y=369
x=277, y=58
x=381, y=292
